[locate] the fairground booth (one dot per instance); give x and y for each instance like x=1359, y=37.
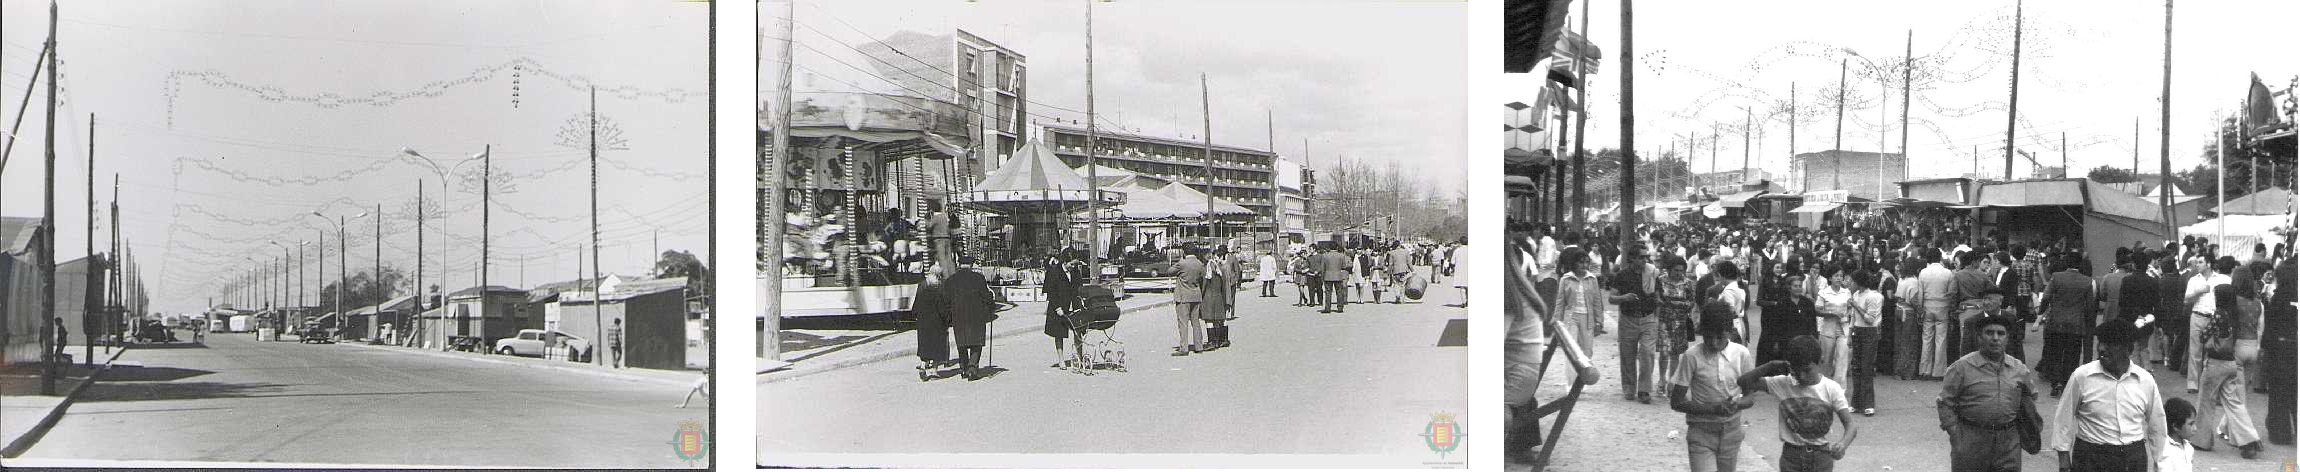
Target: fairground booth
x=2100, y=218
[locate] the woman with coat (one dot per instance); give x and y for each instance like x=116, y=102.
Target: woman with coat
x=933, y=310
x=1061, y=298
x=1221, y=292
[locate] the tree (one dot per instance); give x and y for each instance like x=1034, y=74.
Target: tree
x=684, y=264
x=363, y=288
x=2110, y=175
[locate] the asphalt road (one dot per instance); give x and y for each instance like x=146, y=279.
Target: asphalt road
x=1365, y=382
x=240, y=400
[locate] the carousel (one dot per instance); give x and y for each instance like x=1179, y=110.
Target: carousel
x=849, y=245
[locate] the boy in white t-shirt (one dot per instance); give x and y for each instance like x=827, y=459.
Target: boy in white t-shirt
x=2177, y=455
x=1808, y=400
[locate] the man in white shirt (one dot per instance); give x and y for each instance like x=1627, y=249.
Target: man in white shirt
x=2111, y=418
x=1936, y=290
x=2201, y=305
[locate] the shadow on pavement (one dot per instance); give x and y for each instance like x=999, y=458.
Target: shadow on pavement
x=842, y=343
x=112, y=391
x=1456, y=333
x=128, y=373
x=177, y=345
x=869, y=322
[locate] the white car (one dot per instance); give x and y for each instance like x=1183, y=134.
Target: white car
x=538, y=343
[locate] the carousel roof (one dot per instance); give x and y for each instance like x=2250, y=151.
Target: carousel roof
x=1034, y=180
x=1197, y=200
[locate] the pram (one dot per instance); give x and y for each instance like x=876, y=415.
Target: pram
x=1098, y=312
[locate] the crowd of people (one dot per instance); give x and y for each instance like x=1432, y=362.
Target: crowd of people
x=1708, y=314
x=955, y=303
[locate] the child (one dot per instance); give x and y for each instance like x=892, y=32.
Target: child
x=1808, y=399
x=1701, y=390
x=2177, y=454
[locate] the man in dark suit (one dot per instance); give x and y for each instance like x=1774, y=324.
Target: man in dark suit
x=971, y=311
x=1333, y=269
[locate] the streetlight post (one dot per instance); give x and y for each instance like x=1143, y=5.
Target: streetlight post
x=283, y=283
x=445, y=199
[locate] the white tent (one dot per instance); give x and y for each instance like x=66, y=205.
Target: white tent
x=2243, y=231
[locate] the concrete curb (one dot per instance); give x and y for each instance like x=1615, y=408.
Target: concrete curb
x=535, y=365
x=32, y=436
x=787, y=374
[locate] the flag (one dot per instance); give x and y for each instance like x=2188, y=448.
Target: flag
x=2259, y=108
x=1573, y=49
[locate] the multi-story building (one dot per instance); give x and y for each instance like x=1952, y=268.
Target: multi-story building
x=1241, y=175
x=1294, y=199
x=1852, y=171
x=985, y=79
x=1729, y=181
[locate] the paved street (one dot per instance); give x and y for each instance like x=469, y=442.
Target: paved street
x=240, y=400
x=1364, y=382
x=1607, y=433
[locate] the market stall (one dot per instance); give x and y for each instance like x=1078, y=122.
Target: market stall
x=2100, y=218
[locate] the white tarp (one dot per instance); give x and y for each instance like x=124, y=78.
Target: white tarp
x=2243, y=231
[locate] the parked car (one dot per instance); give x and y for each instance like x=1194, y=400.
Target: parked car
x=539, y=343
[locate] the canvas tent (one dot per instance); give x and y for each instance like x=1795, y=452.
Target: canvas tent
x=2242, y=231
x=2271, y=201
x=2106, y=218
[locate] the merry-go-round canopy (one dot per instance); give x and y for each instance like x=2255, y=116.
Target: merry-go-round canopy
x=1035, y=181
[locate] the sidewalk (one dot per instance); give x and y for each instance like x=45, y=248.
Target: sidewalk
x=838, y=349
x=668, y=377
x=25, y=414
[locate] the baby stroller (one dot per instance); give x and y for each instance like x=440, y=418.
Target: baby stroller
x=1098, y=312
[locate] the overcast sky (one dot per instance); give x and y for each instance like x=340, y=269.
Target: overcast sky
x=1374, y=80
x=2089, y=70
x=203, y=108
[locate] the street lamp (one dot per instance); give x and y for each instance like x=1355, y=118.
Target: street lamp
x=486, y=177
x=342, y=282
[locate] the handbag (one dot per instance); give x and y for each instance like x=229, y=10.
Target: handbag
x=2030, y=424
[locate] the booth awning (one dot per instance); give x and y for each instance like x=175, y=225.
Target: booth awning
x=1817, y=208
x=1738, y=200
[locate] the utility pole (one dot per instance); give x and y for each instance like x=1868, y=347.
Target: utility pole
x=486, y=204
x=384, y=290
x=2064, y=155
x=1207, y=151
x=770, y=346
x=1807, y=169
x=1745, y=121
x=598, y=320
x=2012, y=115
x=112, y=309
x=422, y=292
x=1836, y=163
x=49, y=349
x=2165, y=139
x=91, y=299
x=1628, y=121
x=2135, y=147
x=1908, y=69
x=1277, y=209
x=1093, y=147
x=1581, y=128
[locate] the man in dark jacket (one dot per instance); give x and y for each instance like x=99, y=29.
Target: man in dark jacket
x=2136, y=298
x=971, y=311
x=1333, y=269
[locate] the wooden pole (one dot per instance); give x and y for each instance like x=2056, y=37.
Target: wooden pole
x=1205, y=105
x=1908, y=68
x=48, y=344
x=770, y=216
x=1628, y=125
x=1836, y=163
x=2164, y=143
x=2012, y=116
x=1581, y=201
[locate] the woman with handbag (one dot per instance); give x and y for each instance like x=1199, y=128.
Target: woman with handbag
x=2221, y=402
